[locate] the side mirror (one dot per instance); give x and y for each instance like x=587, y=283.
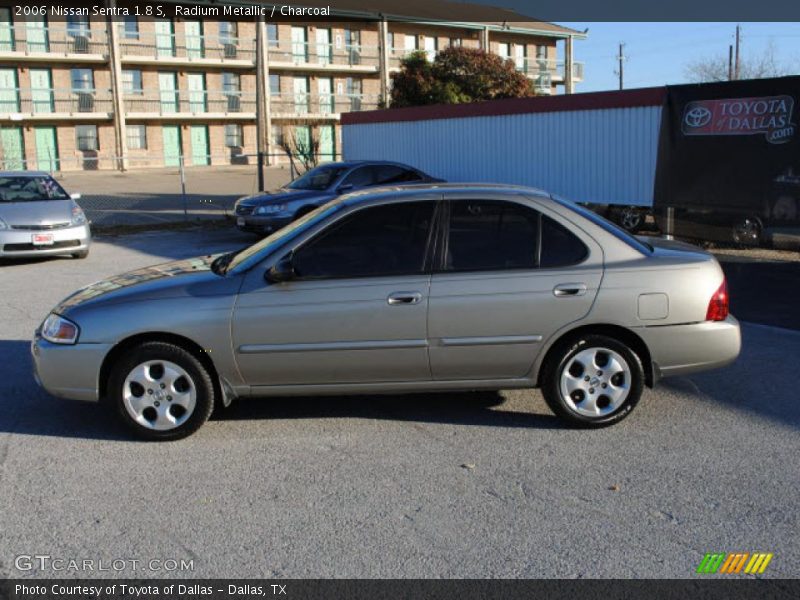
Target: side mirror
x=75, y=196
x=281, y=271
x=345, y=187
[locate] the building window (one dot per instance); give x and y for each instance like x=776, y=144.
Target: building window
x=231, y=83
x=228, y=32
x=411, y=43
x=78, y=26
x=276, y=136
x=86, y=138
x=132, y=82
x=274, y=84
x=391, y=41
x=504, y=50
x=233, y=135
x=136, y=136
x=455, y=42
x=541, y=51
x=272, y=34
x=130, y=27
x=431, y=46
x=82, y=80
x=352, y=38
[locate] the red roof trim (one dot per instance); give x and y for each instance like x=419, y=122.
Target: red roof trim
x=513, y=106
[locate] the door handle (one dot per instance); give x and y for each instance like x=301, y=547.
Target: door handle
x=569, y=289
x=397, y=298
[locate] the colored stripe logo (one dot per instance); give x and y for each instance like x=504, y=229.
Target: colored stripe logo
x=734, y=562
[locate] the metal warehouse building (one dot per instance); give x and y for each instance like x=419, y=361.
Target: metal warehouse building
x=595, y=147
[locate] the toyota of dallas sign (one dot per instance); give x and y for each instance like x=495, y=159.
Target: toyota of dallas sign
x=770, y=115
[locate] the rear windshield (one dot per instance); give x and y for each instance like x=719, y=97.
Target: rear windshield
x=30, y=189
x=610, y=227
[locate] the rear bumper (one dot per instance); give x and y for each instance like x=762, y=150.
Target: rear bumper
x=683, y=349
x=17, y=243
x=68, y=371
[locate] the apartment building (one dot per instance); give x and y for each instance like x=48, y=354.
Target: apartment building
x=89, y=93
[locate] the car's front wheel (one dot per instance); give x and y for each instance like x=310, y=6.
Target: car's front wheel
x=161, y=391
x=592, y=380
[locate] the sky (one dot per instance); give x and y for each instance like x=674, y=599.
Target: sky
x=658, y=53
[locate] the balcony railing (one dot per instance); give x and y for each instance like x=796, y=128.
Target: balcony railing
x=195, y=102
x=321, y=104
x=32, y=38
x=186, y=46
x=45, y=101
x=323, y=54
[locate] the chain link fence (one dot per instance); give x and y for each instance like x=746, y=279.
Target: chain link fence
x=188, y=190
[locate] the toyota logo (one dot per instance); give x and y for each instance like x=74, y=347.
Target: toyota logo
x=697, y=116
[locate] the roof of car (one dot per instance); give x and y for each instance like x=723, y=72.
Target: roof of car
x=362, y=163
x=24, y=174
x=449, y=189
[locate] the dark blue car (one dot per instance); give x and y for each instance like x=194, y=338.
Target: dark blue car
x=266, y=212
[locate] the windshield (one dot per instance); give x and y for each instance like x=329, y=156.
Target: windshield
x=30, y=189
x=610, y=227
x=246, y=258
x=317, y=179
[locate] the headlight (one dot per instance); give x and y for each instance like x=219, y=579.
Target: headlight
x=3, y=224
x=58, y=330
x=270, y=209
x=78, y=217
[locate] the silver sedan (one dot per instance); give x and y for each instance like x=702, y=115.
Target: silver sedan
x=38, y=218
x=414, y=289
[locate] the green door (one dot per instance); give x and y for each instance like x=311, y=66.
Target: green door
x=327, y=143
x=168, y=86
x=197, y=92
x=13, y=149
x=194, y=39
x=172, y=145
x=9, y=92
x=46, y=148
x=165, y=38
x=36, y=33
x=6, y=30
x=42, y=91
x=200, y=152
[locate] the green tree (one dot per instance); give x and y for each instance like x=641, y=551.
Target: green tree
x=456, y=76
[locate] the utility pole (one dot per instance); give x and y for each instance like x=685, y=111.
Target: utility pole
x=621, y=70
x=730, y=62
x=737, y=64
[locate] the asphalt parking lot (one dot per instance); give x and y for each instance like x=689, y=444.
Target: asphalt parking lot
x=447, y=485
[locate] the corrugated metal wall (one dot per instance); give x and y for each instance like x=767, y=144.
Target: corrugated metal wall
x=605, y=156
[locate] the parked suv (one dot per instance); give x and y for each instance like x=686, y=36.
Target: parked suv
x=267, y=212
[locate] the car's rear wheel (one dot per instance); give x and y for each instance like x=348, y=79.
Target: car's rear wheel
x=592, y=380
x=161, y=391
x=747, y=232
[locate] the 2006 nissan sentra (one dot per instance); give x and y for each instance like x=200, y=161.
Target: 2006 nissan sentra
x=414, y=289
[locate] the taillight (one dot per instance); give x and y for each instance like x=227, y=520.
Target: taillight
x=718, y=305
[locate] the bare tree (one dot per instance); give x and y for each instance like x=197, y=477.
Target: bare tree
x=301, y=148
x=715, y=68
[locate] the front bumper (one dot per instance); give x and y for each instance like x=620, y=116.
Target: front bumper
x=17, y=243
x=68, y=371
x=683, y=349
x=264, y=224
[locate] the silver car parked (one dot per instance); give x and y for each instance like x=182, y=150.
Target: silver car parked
x=414, y=289
x=38, y=218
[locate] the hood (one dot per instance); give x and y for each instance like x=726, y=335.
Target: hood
x=190, y=277
x=44, y=212
x=284, y=195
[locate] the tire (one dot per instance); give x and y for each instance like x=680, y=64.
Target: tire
x=154, y=413
x=587, y=403
x=81, y=254
x=630, y=218
x=747, y=232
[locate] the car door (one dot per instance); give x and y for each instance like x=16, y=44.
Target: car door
x=356, y=311
x=507, y=278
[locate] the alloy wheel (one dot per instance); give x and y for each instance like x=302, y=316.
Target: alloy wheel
x=159, y=395
x=595, y=382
